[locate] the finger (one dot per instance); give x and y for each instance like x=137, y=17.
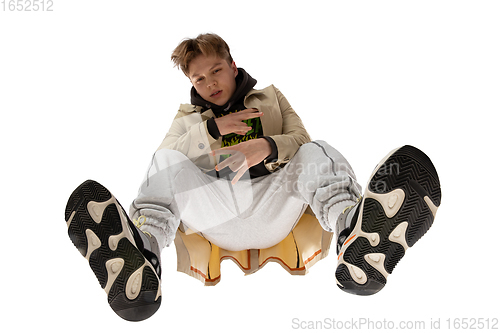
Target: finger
x=228, y=162
x=242, y=130
x=240, y=173
x=242, y=127
x=241, y=166
x=235, y=162
x=247, y=111
x=223, y=151
x=250, y=115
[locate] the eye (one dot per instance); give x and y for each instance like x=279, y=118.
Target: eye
x=199, y=79
x=217, y=70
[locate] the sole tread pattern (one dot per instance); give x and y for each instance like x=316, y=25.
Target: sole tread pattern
x=407, y=169
x=113, y=253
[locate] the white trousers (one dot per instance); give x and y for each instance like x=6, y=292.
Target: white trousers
x=252, y=214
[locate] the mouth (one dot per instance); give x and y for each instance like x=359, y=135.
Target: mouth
x=216, y=93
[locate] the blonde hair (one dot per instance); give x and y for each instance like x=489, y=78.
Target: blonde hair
x=205, y=44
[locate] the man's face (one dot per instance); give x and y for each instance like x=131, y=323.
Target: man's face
x=213, y=78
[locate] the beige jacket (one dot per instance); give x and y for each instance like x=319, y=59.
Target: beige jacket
x=189, y=134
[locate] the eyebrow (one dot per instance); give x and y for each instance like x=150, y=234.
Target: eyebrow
x=211, y=68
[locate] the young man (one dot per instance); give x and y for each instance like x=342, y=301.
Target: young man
x=237, y=176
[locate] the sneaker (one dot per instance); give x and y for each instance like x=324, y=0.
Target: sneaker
x=124, y=259
x=397, y=209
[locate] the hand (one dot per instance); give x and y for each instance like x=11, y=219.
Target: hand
x=233, y=122
x=244, y=155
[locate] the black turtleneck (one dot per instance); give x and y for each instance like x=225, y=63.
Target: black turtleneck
x=244, y=83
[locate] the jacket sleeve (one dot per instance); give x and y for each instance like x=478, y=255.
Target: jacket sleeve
x=189, y=135
x=294, y=134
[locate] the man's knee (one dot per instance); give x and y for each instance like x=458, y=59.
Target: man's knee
x=324, y=156
x=315, y=149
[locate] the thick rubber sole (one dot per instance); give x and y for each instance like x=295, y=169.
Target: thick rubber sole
x=98, y=227
x=397, y=209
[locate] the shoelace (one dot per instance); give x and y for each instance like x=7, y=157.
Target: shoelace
x=139, y=223
x=349, y=207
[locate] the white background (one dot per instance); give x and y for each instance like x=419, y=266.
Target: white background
x=88, y=91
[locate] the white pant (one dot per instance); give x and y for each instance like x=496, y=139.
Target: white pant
x=252, y=214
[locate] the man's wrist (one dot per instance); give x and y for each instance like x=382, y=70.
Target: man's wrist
x=274, y=149
x=213, y=129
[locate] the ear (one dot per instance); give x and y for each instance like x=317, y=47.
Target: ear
x=234, y=68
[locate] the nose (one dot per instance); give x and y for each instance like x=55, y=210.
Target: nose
x=212, y=83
